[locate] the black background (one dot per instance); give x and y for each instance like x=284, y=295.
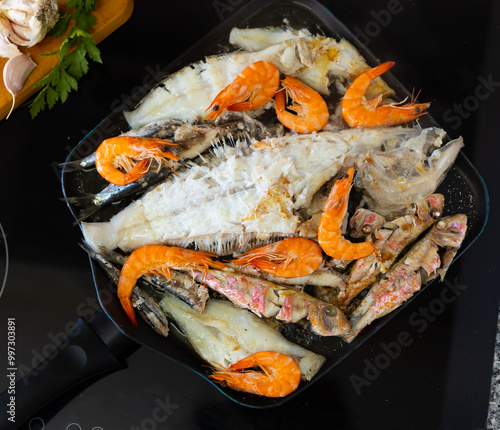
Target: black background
x=441, y=380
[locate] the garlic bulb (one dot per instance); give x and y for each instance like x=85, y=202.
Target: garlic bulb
x=27, y=21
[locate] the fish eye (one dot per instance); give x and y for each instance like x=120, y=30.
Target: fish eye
x=435, y=213
x=366, y=229
x=441, y=225
x=330, y=312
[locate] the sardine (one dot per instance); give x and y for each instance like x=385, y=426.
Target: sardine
x=186, y=94
x=191, y=139
x=150, y=311
x=224, y=334
x=390, y=240
x=421, y=264
x=265, y=298
x=180, y=285
x=243, y=196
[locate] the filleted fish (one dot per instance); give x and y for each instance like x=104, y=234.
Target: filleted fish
x=316, y=60
x=242, y=196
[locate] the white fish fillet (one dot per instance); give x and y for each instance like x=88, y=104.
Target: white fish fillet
x=255, y=39
x=240, y=192
x=331, y=61
x=225, y=334
x=186, y=94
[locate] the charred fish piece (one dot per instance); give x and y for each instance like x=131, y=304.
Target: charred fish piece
x=423, y=262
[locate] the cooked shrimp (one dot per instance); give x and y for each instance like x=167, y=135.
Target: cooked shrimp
x=158, y=259
x=253, y=88
x=330, y=226
x=122, y=152
x=280, y=375
x=288, y=258
x=310, y=108
x=357, y=111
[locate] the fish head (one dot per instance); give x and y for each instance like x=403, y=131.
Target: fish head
x=328, y=320
x=430, y=208
x=450, y=231
x=364, y=222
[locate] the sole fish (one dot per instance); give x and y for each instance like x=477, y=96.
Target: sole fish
x=186, y=94
x=240, y=196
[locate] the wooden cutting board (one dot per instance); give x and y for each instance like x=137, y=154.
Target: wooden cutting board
x=110, y=14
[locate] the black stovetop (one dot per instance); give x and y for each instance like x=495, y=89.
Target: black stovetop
x=440, y=379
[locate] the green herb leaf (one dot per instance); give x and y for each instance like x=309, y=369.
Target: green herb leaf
x=77, y=46
x=38, y=104
x=61, y=25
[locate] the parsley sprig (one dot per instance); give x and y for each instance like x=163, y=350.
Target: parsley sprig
x=73, y=52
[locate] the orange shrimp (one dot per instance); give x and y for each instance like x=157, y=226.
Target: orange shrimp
x=122, y=152
x=330, y=226
x=288, y=258
x=357, y=111
x=310, y=108
x=254, y=87
x=158, y=259
x=280, y=375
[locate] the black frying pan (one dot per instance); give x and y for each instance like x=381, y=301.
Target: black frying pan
x=103, y=344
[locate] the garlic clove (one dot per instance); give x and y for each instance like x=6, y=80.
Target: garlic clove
x=7, y=48
x=8, y=39
x=15, y=73
x=21, y=31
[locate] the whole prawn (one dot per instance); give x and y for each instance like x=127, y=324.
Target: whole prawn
x=288, y=258
x=280, y=374
x=158, y=259
x=115, y=157
x=311, y=111
x=253, y=88
x=357, y=111
x=330, y=226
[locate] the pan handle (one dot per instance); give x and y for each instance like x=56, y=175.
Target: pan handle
x=86, y=352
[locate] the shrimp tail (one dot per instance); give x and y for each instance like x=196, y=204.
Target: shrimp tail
x=138, y=171
x=129, y=309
